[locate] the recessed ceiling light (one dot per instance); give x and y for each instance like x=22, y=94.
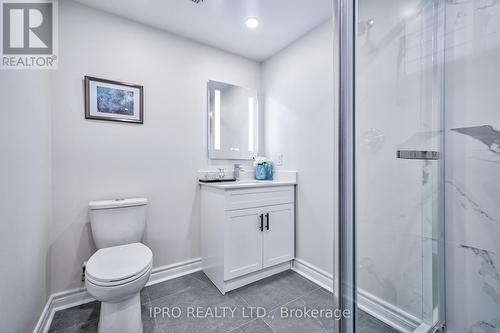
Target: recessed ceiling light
x=252, y=23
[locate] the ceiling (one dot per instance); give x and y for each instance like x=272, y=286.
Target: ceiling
x=221, y=23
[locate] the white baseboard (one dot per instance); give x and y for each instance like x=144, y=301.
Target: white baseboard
x=387, y=313
x=173, y=271
x=314, y=274
x=70, y=298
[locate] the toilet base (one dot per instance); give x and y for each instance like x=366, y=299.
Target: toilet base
x=121, y=317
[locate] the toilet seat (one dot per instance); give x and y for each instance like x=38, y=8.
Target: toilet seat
x=117, y=265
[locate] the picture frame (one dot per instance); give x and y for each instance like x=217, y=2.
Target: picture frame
x=110, y=100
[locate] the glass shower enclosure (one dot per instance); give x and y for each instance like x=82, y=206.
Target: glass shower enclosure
x=391, y=177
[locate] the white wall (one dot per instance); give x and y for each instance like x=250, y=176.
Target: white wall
x=25, y=196
x=299, y=122
x=97, y=160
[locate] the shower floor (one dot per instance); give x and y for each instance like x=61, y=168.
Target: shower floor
x=366, y=323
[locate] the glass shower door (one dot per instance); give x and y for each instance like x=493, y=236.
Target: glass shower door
x=392, y=279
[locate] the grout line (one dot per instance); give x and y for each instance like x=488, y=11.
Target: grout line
x=244, y=323
x=248, y=322
x=244, y=300
x=279, y=306
x=272, y=329
x=293, y=300
x=322, y=326
x=306, y=294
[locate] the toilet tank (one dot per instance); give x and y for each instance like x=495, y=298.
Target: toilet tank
x=117, y=222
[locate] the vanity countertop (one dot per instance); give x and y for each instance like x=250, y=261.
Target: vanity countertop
x=249, y=184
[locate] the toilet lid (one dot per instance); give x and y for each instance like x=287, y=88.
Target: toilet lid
x=117, y=263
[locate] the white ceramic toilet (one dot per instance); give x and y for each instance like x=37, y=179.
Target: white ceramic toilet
x=120, y=268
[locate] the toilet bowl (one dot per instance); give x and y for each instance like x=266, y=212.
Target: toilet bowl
x=121, y=267
x=115, y=276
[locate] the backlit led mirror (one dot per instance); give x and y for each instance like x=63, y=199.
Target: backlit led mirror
x=232, y=122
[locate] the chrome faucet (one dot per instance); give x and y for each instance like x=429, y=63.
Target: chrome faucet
x=237, y=170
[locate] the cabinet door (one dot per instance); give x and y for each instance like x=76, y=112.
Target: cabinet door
x=242, y=243
x=279, y=235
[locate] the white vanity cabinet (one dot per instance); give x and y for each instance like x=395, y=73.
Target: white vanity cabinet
x=247, y=232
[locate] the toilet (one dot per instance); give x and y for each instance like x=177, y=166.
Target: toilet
x=121, y=267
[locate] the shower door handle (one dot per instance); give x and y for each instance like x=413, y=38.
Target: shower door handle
x=418, y=154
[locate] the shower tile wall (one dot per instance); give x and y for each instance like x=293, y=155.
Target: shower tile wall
x=394, y=233
x=395, y=198
x=472, y=114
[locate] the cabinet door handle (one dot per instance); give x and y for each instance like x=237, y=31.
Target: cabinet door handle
x=261, y=222
x=267, y=221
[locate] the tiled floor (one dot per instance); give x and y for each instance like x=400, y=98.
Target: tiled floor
x=195, y=291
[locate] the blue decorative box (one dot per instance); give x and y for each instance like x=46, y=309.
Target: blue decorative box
x=261, y=171
x=264, y=171
x=269, y=171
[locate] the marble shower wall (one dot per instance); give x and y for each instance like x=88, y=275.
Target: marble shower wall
x=397, y=201
x=472, y=129
x=396, y=108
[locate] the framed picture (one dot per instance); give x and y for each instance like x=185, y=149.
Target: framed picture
x=113, y=101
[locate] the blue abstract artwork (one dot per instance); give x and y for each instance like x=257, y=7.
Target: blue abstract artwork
x=115, y=101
